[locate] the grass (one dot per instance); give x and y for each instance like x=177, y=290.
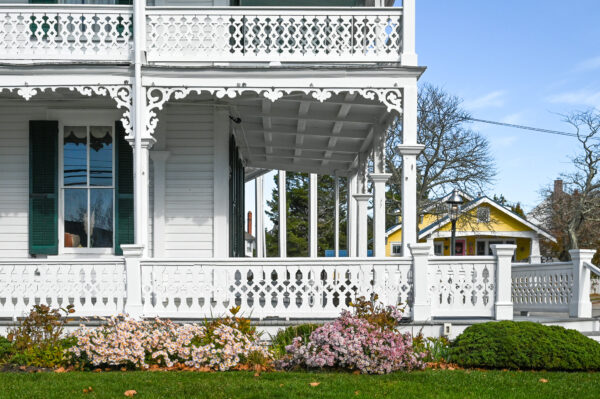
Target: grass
x=420, y=384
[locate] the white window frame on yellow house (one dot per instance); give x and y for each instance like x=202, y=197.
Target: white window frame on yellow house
x=488, y=242
x=393, y=245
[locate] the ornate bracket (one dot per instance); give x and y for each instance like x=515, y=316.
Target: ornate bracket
x=121, y=94
x=157, y=96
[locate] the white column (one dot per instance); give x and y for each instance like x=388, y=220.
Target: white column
x=259, y=204
x=312, y=216
x=336, y=222
x=535, y=256
x=133, y=280
x=504, y=304
x=361, y=226
x=409, y=149
x=282, y=215
x=580, y=305
x=141, y=193
x=421, y=294
x=379, y=180
x=221, y=184
x=430, y=242
x=159, y=162
x=409, y=56
x=351, y=216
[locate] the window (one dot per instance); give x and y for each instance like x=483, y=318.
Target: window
x=396, y=249
x=484, y=246
x=483, y=214
x=88, y=186
x=438, y=248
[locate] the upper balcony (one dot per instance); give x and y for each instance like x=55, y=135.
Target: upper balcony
x=211, y=35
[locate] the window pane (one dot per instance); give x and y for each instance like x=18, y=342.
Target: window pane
x=75, y=154
x=101, y=204
x=101, y=148
x=76, y=218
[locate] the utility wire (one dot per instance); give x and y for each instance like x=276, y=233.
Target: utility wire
x=535, y=129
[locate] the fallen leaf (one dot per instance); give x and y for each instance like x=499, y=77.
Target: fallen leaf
x=130, y=392
x=280, y=385
x=87, y=390
x=543, y=380
x=60, y=370
x=97, y=370
x=315, y=384
x=123, y=368
x=257, y=374
x=356, y=372
x=356, y=392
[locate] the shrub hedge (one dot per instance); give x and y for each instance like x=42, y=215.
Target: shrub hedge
x=525, y=345
x=285, y=337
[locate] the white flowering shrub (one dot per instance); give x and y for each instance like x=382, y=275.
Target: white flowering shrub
x=218, y=345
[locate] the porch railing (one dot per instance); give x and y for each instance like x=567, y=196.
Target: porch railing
x=269, y=34
x=66, y=33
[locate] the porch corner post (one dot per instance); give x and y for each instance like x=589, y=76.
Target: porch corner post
x=580, y=305
x=535, y=256
x=379, y=180
x=312, y=216
x=361, y=225
x=260, y=216
x=504, y=305
x=408, y=56
x=421, y=297
x=351, y=215
x=133, y=280
x=282, y=187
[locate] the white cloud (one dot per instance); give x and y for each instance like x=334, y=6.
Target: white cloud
x=492, y=99
x=588, y=65
x=587, y=97
x=497, y=142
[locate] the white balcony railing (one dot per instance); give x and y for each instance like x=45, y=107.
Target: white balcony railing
x=66, y=33
x=254, y=34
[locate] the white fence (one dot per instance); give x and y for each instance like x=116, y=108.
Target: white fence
x=430, y=287
x=66, y=33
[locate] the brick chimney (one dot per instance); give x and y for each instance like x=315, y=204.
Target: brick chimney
x=558, y=186
x=250, y=222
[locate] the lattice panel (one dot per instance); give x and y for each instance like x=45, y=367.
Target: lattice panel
x=66, y=34
x=204, y=35
x=462, y=289
x=394, y=285
x=260, y=291
x=547, y=287
x=94, y=289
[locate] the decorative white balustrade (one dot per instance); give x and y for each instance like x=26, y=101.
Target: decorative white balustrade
x=95, y=288
x=66, y=33
x=292, y=288
x=542, y=287
x=464, y=287
x=260, y=34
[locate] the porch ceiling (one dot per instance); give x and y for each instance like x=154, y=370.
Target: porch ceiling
x=300, y=133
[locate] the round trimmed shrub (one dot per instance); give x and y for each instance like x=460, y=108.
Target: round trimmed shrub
x=525, y=345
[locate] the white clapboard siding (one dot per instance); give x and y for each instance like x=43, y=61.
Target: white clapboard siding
x=189, y=181
x=14, y=178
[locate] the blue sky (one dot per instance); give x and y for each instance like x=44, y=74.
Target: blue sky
x=515, y=61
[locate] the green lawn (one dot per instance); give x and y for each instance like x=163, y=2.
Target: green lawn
x=421, y=384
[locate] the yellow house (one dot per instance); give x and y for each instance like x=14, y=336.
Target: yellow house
x=482, y=222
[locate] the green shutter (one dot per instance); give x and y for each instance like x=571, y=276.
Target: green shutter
x=123, y=190
x=236, y=202
x=43, y=187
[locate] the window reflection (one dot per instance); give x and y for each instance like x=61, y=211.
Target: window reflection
x=100, y=156
x=76, y=227
x=101, y=220
x=75, y=155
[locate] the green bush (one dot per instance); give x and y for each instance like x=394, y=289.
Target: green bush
x=525, y=345
x=6, y=349
x=285, y=337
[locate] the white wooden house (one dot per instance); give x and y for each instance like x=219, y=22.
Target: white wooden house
x=127, y=131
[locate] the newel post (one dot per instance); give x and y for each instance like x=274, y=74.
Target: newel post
x=504, y=304
x=580, y=305
x=133, y=279
x=421, y=296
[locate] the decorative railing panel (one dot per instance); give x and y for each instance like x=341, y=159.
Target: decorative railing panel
x=542, y=287
x=95, y=288
x=462, y=287
x=275, y=288
x=66, y=33
x=237, y=34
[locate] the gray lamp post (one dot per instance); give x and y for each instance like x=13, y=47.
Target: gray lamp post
x=454, y=203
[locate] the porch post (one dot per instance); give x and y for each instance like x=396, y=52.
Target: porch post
x=141, y=194
x=535, y=256
x=282, y=215
x=421, y=294
x=336, y=211
x=361, y=216
x=351, y=216
x=221, y=171
x=379, y=180
x=409, y=57
x=159, y=161
x=260, y=216
x=133, y=283
x=580, y=305
x=409, y=149
x=504, y=304
x=312, y=216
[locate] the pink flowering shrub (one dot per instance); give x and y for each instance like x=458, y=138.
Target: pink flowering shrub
x=362, y=341
x=141, y=344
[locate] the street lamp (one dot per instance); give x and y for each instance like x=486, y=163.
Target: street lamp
x=454, y=203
